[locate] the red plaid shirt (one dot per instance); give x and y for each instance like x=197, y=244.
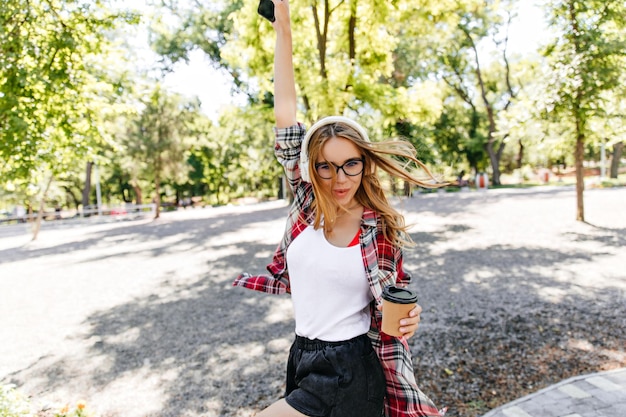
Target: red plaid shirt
x=383, y=267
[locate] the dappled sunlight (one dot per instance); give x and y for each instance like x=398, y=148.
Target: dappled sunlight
x=106, y=240
x=148, y=391
x=127, y=336
x=581, y=345
x=279, y=345
x=253, y=350
x=479, y=276
x=218, y=253
x=264, y=233
x=92, y=241
x=577, y=271
x=551, y=294
x=280, y=311
x=608, y=237
x=151, y=306
x=618, y=356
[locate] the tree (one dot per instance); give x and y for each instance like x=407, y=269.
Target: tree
x=414, y=68
x=49, y=88
x=586, y=61
x=161, y=136
x=484, y=83
x=343, y=51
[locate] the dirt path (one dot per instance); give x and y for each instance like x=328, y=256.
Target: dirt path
x=139, y=317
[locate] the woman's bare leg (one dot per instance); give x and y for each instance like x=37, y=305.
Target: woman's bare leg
x=280, y=409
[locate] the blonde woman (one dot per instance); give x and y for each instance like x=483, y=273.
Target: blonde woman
x=342, y=246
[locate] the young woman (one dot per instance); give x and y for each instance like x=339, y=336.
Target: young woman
x=342, y=247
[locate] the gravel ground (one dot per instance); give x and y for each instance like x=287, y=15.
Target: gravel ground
x=138, y=317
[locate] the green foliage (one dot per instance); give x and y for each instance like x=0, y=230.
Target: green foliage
x=206, y=28
x=160, y=136
x=588, y=59
x=47, y=111
x=380, y=62
x=12, y=403
x=586, y=62
x=237, y=156
x=403, y=68
x=54, y=92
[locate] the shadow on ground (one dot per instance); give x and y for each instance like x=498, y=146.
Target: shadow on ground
x=189, y=231
x=498, y=322
x=505, y=321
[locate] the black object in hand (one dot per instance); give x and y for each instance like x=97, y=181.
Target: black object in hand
x=266, y=9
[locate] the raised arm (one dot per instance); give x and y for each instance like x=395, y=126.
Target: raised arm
x=284, y=82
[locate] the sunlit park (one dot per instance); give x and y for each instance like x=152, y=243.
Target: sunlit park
x=138, y=179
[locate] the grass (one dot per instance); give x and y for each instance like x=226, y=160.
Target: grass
x=14, y=404
x=590, y=182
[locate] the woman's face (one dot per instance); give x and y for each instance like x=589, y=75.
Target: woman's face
x=340, y=152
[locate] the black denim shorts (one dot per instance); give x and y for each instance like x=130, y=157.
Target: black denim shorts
x=335, y=379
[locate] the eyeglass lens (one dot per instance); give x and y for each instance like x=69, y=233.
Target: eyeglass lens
x=351, y=168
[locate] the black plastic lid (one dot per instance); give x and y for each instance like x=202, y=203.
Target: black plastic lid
x=399, y=295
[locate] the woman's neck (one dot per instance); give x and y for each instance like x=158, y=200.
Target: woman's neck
x=356, y=210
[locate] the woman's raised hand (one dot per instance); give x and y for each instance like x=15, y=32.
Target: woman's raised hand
x=281, y=11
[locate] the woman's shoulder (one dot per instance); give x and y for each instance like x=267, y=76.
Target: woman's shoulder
x=371, y=217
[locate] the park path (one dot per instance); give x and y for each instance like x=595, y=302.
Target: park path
x=600, y=394
x=138, y=317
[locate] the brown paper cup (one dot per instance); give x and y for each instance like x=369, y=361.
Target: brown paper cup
x=397, y=303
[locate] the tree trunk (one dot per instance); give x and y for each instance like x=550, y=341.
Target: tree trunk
x=37, y=225
x=494, y=157
x=321, y=29
x=618, y=149
x=407, y=189
x=520, y=154
x=157, y=197
x=580, y=177
x=75, y=200
x=138, y=194
x=351, y=34
x=87, y=189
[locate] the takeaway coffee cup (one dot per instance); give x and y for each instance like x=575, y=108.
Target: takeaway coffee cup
x=397, y=303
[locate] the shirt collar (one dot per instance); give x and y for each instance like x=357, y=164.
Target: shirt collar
x=369, y=217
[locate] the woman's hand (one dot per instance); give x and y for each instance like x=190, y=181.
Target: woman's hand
x=409, y=325
x=281, y=12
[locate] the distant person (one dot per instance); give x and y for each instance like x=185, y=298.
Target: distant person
x=461, y=182
x=343, y=245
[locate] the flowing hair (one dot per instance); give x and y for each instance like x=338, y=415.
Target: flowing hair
x=396, y=157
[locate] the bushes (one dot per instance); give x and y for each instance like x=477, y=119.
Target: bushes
x=14, y=404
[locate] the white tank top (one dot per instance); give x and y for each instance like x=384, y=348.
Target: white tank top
x=329, y=288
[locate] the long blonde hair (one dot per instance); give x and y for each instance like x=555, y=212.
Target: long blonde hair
x=386, y=155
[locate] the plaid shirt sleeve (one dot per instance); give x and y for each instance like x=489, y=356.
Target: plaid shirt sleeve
x=287, y=150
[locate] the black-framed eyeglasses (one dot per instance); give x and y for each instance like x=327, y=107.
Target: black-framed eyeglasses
x=352, y=168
